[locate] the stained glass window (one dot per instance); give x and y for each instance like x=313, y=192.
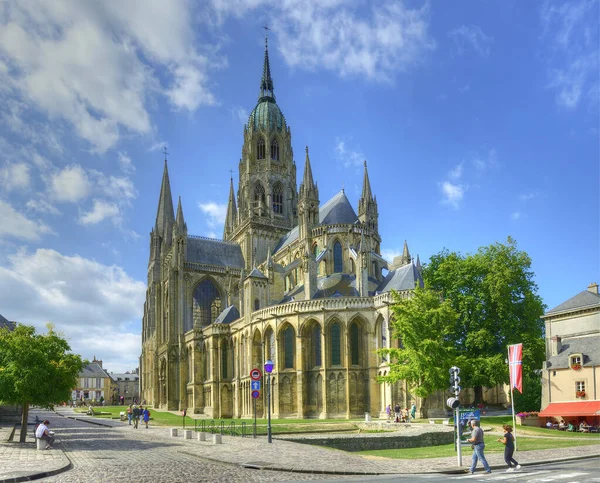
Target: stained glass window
x=259, y=194
x=288, y=347
x=224, y=355
x=206, y=304
x=317, y=345
x=274, y=150
x=336, y=358
x=278, y=199
x=260, y=149
x=354, y=344
x=337, y=257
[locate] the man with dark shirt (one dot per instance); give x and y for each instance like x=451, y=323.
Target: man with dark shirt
x=136, y=416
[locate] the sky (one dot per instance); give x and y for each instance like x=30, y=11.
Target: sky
x=478, y=121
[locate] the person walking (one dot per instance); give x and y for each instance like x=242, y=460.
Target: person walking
x=509, y=448
x=397, y=412
x=129, y=413
x=388, y=411
x=478, y=446
x=413, y=411
x=146, y=415
x=135, y=414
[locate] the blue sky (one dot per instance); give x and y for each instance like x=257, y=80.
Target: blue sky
x=478, y=120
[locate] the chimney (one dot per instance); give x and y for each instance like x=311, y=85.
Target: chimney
x=555, y=345
x=593, y=288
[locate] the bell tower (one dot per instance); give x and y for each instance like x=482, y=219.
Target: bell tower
x=266, y=198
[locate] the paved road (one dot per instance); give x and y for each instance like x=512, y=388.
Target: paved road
x=123, y=454
x=580, y=471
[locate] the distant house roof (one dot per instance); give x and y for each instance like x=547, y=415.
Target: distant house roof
x=123, y=376
x=336, y=211
x=214, y=252
x=93, y=369
x=6, y=323
x=585, y=299
x=228, y=315
x=589, y=346
x=402, y=278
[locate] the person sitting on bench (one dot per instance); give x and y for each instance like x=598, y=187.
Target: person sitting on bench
x=42, y=432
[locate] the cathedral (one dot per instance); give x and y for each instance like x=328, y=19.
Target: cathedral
x=295, y=280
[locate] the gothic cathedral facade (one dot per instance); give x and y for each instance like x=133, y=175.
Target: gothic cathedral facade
x=293, y=280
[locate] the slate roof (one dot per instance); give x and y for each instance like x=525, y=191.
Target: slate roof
x=131, y=376
x=228, y=315
x=214, y=252
x=256, y=273
x=582, y=300
x=93, y=369
x=345, y=287
x=402, y=278
x=589, y=346
x=6, y=323
x=336, y=211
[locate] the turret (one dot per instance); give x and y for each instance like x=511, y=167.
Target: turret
x=308, y=202
x=367, y=205
x=231, y=218
x=179, y=237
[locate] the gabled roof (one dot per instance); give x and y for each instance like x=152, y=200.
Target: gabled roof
x=336, y=211
x=589, y=346
x=93, y=369
x=256, y=273
x=582, y=300
x=214, y=252
x=6, y=323
x=402, y=278
x=229, y=315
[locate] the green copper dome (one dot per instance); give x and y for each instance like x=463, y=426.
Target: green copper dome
x=267, y=115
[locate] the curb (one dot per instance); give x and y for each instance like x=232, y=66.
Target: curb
x=43, y=474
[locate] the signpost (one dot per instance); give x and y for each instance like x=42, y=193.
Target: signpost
x=255, y=375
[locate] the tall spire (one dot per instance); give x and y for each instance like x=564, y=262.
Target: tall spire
x=366, y=190
x=307, y=181
x=179, y=221
x=266, y=82
x=165, y=217
x=405, y=254
x=367, y=204
x=231, y=217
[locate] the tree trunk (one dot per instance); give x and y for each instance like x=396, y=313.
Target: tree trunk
x=423, y=410
x=478, y=394
x=24, y=418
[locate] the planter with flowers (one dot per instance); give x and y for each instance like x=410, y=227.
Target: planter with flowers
x=580, y=394
x=576, y=366
x=529, y=419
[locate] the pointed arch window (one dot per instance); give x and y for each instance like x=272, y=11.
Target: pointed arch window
x=354, y=344
x=274, y=150
x=316, y=336
x=278, y=199
x=337, y=257
x=224, y=355
x=288, y=348
x=259, y=194
x=206, y=303
x=336, y=358
x=272, y=346
x=260, y=149
x=256, y=304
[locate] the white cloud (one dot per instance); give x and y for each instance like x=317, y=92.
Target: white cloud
x=390, y=253
x=457, y=171
x=91, y=303
x=515, y=215
x=452, y=193
x=488, y=160
x=126, y=164
x=374, y=41
x=528, y=196
x=570, y=34
x=15, y=176
x=16, y=225
x=215, y=212
x=100, y=211
x=159, y=145
x=42, y=206
x=96, y=64
x=241, y=114
x=348, y=157
x=471, y=37
x=71, y=184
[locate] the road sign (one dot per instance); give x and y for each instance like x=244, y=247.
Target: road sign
x=255, y=385
x=255, y=374
x=255, y=394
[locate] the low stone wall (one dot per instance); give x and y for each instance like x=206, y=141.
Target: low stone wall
x=400, y=436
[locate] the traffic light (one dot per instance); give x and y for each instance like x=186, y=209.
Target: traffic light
x=453, y=402
x=455, y=381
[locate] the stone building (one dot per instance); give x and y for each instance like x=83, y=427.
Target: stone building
x=294, y=280
x=570, y=376
x=94, y=385
x=126, y=385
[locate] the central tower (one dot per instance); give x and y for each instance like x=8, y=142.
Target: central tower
x=267, y=199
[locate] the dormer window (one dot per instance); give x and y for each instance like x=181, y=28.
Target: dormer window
x=260, y=149
x=274, y=150
x=575, y=362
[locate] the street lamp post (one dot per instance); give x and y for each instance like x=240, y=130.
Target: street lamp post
x=268, y=369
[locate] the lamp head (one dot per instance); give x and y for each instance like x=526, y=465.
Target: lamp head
x=269, y=366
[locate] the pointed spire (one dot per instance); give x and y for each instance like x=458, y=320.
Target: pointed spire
x=419, y=268
x=266, y=82
x=179, y=220
x=231, y=217
x=165, y=217
x=405, y=254
x=307, y=180
x=366, y=191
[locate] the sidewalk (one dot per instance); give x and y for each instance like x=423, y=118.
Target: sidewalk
x=22, y=462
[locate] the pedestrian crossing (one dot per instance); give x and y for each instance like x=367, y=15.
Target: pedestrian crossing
x=542, y=476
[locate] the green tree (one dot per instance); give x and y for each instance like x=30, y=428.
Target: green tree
x=35, y=369
x=424, y=323
x=496, y=298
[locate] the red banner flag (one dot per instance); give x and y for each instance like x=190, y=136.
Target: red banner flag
x=515, y=365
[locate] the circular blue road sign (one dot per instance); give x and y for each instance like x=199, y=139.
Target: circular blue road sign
x=255, y=394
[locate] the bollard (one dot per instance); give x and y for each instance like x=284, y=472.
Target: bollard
x=40, y=443
x=217, y=439
x=201, y=436
x=367, y=418
x=187, y=434
x=173, y=432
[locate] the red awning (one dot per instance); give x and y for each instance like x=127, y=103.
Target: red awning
x=582, y=408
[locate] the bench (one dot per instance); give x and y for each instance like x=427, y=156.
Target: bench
x=445, y=421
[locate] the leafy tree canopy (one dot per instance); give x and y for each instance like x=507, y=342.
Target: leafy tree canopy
x=36, y=369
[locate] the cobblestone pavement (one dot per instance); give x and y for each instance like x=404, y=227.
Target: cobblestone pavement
x=111, y=451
